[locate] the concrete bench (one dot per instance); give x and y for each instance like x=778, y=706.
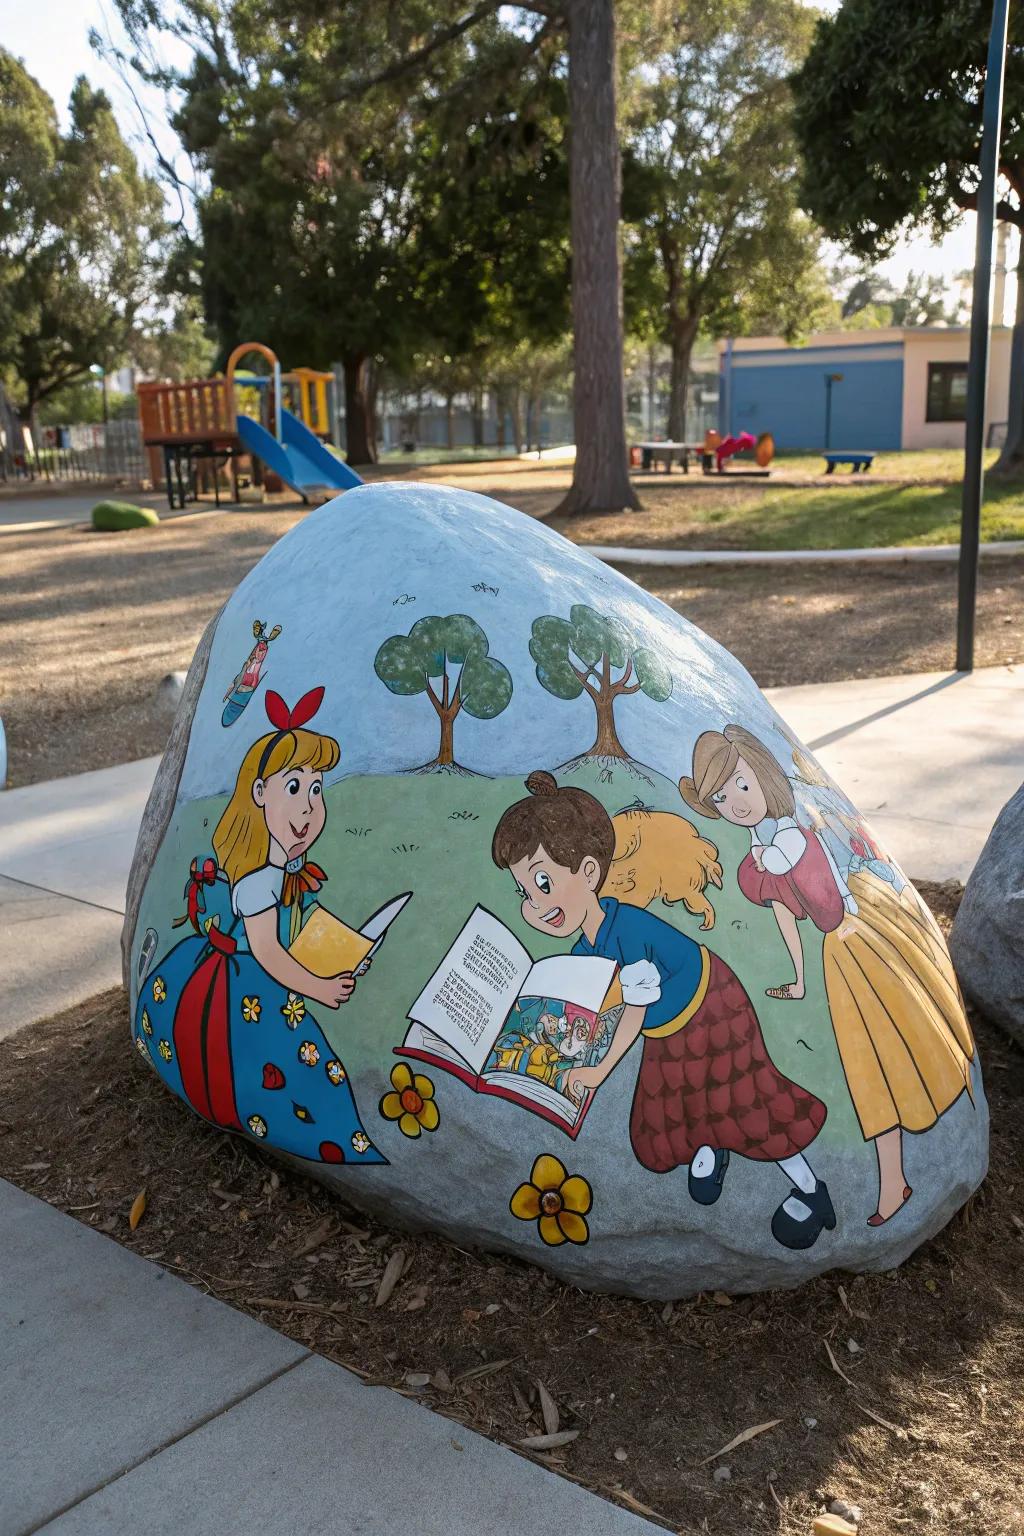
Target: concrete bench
x=857, y=461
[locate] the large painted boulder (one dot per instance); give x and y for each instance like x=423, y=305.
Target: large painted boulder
x=490, y=888
x=987, y=940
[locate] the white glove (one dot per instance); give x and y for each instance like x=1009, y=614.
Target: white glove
x=641, y=983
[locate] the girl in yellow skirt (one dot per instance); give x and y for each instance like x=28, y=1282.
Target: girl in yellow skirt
x=899, y=1022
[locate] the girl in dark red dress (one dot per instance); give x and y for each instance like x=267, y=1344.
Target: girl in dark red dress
x=706, y=1086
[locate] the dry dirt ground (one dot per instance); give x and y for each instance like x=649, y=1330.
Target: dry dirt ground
x=90, y=623
x=899, y=1393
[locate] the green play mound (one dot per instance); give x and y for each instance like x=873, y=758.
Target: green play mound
x=112, y=516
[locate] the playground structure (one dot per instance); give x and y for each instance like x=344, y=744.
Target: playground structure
x=714, y=453
x=718, y=450
x=205, y=422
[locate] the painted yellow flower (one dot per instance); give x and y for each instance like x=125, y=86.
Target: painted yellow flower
x=335, y=1071
x=412, y=1103
x=146, y=1025
x=159, y=990
x=251, y=1009
x=257, y=1125
x=557, y=1202
x=294, y=1010
x=165, y=1050
x=360, y=1142
x=309, y=1053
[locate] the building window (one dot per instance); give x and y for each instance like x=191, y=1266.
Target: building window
x=947, y=392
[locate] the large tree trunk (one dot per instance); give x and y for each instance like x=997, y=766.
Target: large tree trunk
x=359, y=433
x=477, y=417
x=684, y=333
x=449, y=419
x=606, y=743
x=1010, y=462
x=516, y=400
x=601, y=476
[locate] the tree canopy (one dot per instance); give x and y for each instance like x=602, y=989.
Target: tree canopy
x=453, y=653
x=888, y=117
x=79, y=226
x=714, y=235
x=593, y=653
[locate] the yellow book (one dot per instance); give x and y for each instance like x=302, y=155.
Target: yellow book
x=327, y=946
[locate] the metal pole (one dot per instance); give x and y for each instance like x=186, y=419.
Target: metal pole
x=828, y=411
x=977, y=369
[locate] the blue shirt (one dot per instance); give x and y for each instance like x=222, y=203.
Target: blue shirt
x=629, y=934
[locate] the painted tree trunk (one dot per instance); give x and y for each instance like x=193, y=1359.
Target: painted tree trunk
x=1010, y=462
x=606, y=743
x=684, y=333
x=359, y=433
x=600, y=476
x=446, y=750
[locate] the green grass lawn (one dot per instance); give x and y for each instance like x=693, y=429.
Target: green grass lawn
x=861, y=517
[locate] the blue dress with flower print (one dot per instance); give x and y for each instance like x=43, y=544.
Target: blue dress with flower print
x=243, y=1050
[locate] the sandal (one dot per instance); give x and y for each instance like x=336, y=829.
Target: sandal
x=878, y=1220
x=784, y=993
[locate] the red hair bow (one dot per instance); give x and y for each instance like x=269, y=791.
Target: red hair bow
x=284, y=719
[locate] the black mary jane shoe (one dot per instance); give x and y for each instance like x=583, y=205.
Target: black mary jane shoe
x=707, y=1190
x=793, y=1232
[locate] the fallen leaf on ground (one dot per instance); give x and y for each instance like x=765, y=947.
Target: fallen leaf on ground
x=315, y=1238
x=137, y=1211
x=549, y=1442
x=392, y=1270
x=741, y=1439
x=548, y=1409
x=488, y=1368
x=835, y=1363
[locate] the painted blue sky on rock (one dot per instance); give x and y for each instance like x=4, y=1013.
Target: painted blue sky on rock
x=370, y=564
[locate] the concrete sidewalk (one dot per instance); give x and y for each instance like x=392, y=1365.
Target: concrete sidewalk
x=928, y=758
x=134, y=1403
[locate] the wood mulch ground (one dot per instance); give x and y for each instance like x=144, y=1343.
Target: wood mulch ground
x=898, y=1393
x=90, y=623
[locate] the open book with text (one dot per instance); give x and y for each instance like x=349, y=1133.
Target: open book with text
x=508, y=1025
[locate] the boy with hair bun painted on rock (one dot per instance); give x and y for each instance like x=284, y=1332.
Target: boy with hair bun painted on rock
x=706, y=1086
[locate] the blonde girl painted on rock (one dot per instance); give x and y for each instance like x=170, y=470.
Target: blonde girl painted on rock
x=224, y=1017
x=904, y=1040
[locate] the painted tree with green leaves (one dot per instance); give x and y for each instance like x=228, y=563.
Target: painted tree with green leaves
x=591, y=653
x=447, y=659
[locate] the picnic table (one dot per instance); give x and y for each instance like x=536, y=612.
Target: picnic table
x=857, y=459
x=651, y=454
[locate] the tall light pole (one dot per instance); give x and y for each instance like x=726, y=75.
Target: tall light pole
x=830, y=379
x=977, y=368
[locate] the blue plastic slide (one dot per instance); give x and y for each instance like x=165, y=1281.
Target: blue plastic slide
x=300, y=458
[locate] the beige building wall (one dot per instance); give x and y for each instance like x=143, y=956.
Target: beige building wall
x=924, y=346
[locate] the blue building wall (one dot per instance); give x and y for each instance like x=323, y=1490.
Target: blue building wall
x=782, y=391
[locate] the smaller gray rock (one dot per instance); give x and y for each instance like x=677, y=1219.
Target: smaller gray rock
x=986, y=941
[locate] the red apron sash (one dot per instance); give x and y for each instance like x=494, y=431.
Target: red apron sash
x=202, y=1036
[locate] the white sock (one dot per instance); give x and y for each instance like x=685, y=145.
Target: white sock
x=704, y=1163
x=799, y=1170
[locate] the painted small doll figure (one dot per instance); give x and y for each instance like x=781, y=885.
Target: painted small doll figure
x=246, y=682
x=899, y=1022
x=706, y=1087
x=225, y=1016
